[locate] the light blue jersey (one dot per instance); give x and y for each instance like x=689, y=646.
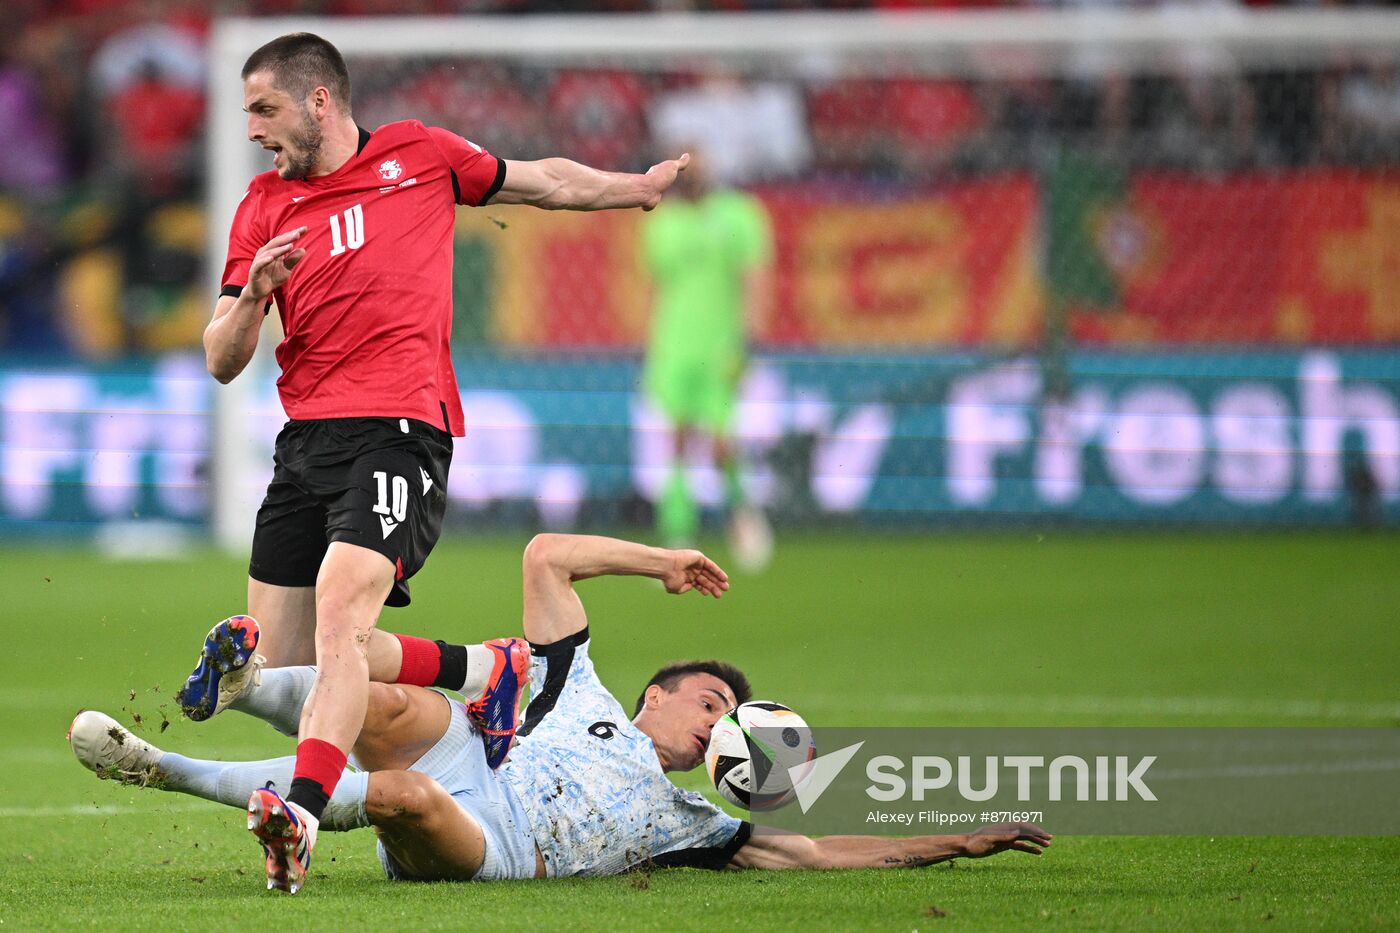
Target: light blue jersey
x=591, y=785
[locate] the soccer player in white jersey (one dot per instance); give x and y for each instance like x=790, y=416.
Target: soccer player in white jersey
x=584, y=791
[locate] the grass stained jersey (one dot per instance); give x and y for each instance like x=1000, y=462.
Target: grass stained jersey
x=591, y=785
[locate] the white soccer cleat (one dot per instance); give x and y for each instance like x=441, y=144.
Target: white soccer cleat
x=235, y=683
x=108, y=748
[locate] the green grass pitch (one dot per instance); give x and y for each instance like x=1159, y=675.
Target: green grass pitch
x=1012, y=629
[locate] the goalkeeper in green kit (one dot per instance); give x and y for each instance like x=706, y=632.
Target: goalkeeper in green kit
x=709, y=253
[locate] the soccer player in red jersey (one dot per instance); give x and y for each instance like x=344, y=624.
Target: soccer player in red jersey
x=351, y=236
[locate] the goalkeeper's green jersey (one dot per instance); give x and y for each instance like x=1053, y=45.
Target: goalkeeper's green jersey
x=698, y=253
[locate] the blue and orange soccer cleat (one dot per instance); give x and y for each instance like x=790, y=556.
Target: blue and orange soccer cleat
x=228, y=665
x=287, y=836
x=497, y=711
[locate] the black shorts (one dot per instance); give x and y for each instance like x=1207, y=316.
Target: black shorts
x=380, y=483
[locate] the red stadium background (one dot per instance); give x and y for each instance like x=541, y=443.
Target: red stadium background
x=1306, y=258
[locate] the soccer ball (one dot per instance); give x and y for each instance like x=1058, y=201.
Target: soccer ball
x=753, y=750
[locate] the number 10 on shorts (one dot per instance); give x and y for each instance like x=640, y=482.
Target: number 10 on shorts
x=398, y=511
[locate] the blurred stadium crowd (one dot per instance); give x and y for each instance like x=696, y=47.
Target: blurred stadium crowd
x=102, y=109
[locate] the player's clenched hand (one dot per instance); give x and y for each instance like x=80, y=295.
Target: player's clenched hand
x=661, y=176
x=691, y=570
x=998, y=837
x=273, y=264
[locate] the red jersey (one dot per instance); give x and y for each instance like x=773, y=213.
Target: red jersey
x=368, y=313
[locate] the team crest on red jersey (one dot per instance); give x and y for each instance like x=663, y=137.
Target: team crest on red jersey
x=390, y=170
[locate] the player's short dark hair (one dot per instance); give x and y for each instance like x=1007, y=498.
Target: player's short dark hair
x=301, y=62
x=672, y=674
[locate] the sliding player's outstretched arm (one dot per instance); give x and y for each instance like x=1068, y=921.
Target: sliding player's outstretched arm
x=554, y=562
x=772, y=849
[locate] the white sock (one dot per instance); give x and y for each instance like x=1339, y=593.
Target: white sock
x=233, y=782
x=480, y=661
x=278, y=699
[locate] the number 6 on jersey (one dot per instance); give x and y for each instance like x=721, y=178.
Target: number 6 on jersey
x=354, y=230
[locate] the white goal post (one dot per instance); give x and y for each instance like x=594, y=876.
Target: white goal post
x=983, y=43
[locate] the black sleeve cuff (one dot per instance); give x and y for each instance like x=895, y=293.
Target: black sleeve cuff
x=715, y=858
x=741, y=839
x=567, y=644
x=495, y=185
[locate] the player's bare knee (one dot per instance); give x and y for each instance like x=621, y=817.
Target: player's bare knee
x=343, y=620
x=388, y=704
x=377, y=745
x=541, y=554
x=337, y=608
x=536, y=551
x=399, y=798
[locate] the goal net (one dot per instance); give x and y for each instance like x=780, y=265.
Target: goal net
x=1111, y=266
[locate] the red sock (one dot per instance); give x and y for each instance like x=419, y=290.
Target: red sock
x=318, y=769
x=422, y=661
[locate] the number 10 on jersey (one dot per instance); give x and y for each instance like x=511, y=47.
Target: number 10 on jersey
x=354, y=230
